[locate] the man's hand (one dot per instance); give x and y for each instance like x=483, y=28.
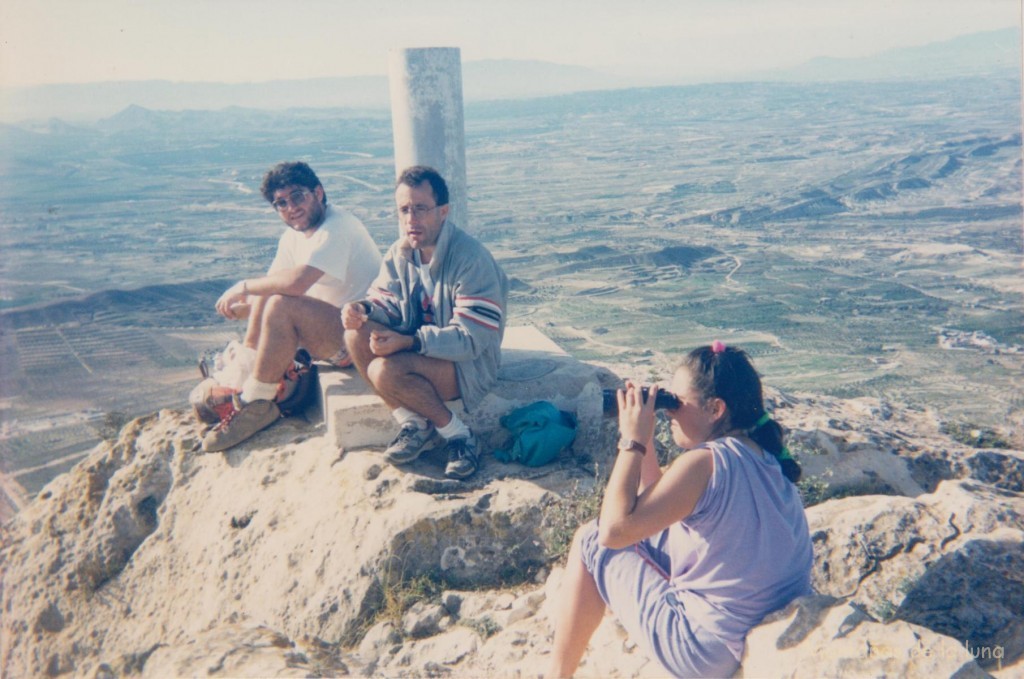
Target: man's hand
x=232, y=304
x=353, y=315
x=387, y=342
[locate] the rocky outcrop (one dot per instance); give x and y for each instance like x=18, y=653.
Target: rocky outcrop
x=951, y=561
x=288, y=557
x=818, y=636
x=148, y=544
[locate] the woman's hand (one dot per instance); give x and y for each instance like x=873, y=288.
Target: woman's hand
x=636, y=416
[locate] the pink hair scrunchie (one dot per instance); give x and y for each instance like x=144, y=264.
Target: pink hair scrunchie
x=717, y=347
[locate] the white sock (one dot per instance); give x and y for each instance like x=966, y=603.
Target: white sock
x=454, y=429
x=254, y=390
x=405, y=416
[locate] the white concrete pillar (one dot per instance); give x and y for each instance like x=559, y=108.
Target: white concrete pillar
x=427, y=120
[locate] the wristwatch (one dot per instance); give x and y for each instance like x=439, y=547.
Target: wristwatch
x=632, y=445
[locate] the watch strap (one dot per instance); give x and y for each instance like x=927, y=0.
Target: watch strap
x=632, y=445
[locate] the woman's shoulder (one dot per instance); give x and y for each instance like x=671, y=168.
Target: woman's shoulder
x=733, y=453
x=739, y=446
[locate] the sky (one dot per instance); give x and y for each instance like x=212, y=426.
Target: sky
x=77, y=41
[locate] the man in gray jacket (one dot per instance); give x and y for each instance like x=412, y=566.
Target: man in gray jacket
x=431, y=327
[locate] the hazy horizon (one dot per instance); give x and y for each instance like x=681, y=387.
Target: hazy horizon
x=46, y=42
x=972, y=55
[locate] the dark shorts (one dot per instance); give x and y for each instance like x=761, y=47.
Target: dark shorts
x=634, y=583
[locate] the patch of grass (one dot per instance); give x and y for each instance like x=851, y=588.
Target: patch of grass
x=399, y=594
x=396, y=593
x=874, y=486
x=568, y=513
x=815, y=489
x=974, y=435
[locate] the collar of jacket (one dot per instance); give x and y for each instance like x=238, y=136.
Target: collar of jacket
x=440, y=250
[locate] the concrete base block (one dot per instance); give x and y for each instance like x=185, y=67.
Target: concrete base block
x=533, y=368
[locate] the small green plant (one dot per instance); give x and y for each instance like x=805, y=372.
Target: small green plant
x=813, y=490
x=111, y=425
x=802, y=448
x=884, y=610
x=907, y=585
x=485, y=626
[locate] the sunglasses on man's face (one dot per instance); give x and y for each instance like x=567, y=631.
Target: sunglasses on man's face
x=294, y=199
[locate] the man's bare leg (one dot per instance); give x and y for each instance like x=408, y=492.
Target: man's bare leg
x=286, y=323
x=418, y=383
x=415, y=388
x=291, y=322
x=405, y=380
x=252, y=330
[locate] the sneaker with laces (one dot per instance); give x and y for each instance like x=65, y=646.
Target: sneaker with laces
x=410, y=443
x=246, y=420
x=463, y=457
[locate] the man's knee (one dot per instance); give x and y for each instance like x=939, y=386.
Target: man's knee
x=385, y=370
x=276, y=308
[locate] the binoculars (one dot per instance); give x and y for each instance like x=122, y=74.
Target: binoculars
x=665, y=400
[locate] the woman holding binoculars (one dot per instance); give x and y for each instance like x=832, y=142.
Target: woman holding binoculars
x=689, y=558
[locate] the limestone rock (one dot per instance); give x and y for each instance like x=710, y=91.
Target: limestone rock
x=149, y=544
x=1002, y=469
x=237, y=651
x=817, y=637
x=951, y=561
x=284, y=557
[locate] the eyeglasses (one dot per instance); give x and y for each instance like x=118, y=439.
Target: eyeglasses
x=294, y=199
x=417, y=211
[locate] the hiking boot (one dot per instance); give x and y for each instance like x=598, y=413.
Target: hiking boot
x=410, y=443
x=463, y=457
x=244, y=422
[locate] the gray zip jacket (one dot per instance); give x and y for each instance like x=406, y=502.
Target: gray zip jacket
x=469, y=299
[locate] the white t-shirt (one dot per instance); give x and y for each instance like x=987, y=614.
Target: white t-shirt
x=342, y=248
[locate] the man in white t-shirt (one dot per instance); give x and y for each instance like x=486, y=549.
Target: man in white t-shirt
x=324, y=260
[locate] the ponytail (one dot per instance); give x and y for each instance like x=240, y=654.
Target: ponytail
x=767, y=433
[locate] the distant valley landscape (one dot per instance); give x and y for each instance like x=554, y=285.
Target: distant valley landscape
x=858, y=238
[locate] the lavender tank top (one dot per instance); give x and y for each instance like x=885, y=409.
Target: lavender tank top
x=745, y=550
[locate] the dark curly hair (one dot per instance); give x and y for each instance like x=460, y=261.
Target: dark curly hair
x=417, y=174
x=729, y=375
x=290, y=174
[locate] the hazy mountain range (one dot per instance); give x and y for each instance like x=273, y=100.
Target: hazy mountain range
x=978, y=53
